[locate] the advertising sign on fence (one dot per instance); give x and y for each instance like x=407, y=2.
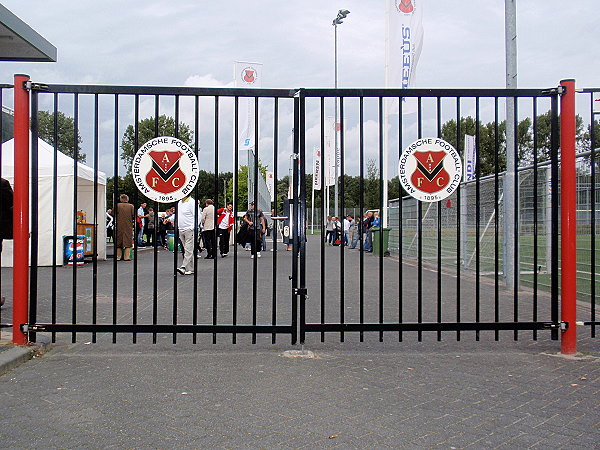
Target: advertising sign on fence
x=430, y=169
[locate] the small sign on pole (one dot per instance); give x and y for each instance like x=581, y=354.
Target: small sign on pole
x=596, y=102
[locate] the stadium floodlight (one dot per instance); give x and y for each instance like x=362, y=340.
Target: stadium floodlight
x=342, y=13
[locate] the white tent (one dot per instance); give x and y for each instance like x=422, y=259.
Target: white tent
x=65, y=209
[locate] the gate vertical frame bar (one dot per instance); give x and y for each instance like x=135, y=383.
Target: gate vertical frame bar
x=34, y=211
x=215, y=217
x=516, y=216
x=477, y=216
x=554, y=279
x=341, y=203
x=21, y=209
x=496, y=221
x=535, y=216
x=361, y=206
x=419, y=232
x=236, y=147
x=55, y=211
x=439, y=229
x=116, y=199
x=593, y=144
x=196, y=218
x=323, y=217
x=382, y=208
x=458, y=227
x=95, y=232
x=302, y=216
x=400, y=218
x=274, y=223
x=75, y=198
x=298, y=125
x=568, y=203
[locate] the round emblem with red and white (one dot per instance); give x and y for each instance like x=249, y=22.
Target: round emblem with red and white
x=405, y=6
x=430, y=169
x=249, y=75
x=165, y=169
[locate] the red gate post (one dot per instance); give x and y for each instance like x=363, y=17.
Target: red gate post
x=21, y=210
x=568, y=208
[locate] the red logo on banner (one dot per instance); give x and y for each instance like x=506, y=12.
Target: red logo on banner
x=249, y=75
x=165, y=176
x=430, y=175
x=406, y=6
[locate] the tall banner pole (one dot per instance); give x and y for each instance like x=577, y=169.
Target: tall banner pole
x=21, y=210
x=568, y=219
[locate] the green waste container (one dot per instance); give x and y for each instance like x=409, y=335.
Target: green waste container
x=376, y=233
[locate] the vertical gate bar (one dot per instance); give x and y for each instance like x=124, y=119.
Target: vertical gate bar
x=175, y=291
x=477, y=218
x=496, y=221
x=136, y=142
x=215, y=216
x=517, y=218
x=324, y=214
x=361, y=207
x=420, y=233
x=154, y=237
x=115, y=209
x=196, y=219
x=234, y=309
x=1, y=202
x=554, y=280
x=400, y=226
x=535, y=216
x=294, y=212
x=302, y=217
x=34, y=211
x=340, y=213
x=568, y=204
x=593, y=144
x=381, y=212
x=439, y=229
x=256, y=233
x=21, y=209
x=274, y=224
x=95, y=232
x=75, y=198
x=55, y=210
x=175, y=230
x=458, y=226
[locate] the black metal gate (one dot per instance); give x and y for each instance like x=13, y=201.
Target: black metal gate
x=443, y=267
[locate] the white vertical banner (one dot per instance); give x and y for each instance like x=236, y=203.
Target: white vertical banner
x=248, y=75
x=404, y=41
x=470, y=157
x=330, y=151
x=271, y=185
x=316, y=169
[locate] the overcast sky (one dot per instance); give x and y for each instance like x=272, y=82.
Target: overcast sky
x=194, y=43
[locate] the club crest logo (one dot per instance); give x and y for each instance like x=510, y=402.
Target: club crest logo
x=249, y=75
x=430, y=169
x=165, y=169
x=405, y=6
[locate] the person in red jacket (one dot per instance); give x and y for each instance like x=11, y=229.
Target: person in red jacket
x=225, y=221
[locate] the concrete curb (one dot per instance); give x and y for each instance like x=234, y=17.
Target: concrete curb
x=17, y=355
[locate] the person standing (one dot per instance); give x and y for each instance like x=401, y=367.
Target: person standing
x=142, y=215
x=208, y=227
x=256, y=228
x=367, y=224
x=150, y=228
x=124, y=228
x=348, y=229
x=225, y=221
x=185, y=218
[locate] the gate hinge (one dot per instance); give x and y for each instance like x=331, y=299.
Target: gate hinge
x=560, y=90
x=26, y=328
x=31, y=86
x=300, y=291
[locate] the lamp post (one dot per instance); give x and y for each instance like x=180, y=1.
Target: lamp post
x=342, y=14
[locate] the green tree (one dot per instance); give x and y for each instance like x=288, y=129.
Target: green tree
x=544, y=135
x=147, y=131
x=242, y=196
x=65, y=133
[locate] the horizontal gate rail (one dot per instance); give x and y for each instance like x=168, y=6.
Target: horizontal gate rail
x=158, y=328
x=428, y=326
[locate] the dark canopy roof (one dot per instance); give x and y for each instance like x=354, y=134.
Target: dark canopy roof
x=20, y=42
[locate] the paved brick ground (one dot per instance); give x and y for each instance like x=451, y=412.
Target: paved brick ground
x=409, y=394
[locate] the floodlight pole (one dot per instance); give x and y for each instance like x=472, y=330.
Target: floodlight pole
x=511, y=220
x=342, y=13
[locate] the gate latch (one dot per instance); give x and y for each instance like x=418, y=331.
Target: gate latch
x=31, y=86
x=300, y=291
x=26, y=328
